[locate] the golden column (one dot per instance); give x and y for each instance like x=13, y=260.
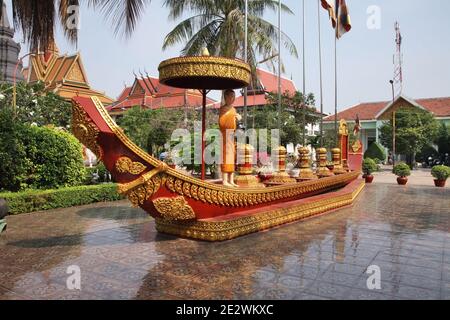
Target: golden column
x=322, y=170
x=306, y=172
x=337, y=162
x=245, y=170
x=281, y=177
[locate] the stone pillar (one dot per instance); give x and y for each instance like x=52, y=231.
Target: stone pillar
x=306, y=172
x=322, y=170
x=338, y=168
x=245, y=177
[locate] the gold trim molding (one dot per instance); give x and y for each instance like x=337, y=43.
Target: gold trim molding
x=205, y=66
x=174, y=209
x=85, y=130
x=126, y=165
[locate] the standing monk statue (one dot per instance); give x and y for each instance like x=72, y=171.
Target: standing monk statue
x=228, y=123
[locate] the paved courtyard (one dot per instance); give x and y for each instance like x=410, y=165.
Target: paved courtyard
x=403, y=230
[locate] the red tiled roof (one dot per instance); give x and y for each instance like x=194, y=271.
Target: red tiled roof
x=269, y=82
x=152, y=94
x=160, y=102
x=440, y=107
x=252, y=100
x=125, y=93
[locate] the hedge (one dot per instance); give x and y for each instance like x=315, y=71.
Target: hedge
x=37, y=200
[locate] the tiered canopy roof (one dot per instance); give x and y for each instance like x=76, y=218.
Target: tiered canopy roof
x=62, y=74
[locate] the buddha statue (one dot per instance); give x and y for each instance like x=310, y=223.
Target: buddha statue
x=228, y=118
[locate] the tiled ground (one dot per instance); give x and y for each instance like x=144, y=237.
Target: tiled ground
x=405, y=231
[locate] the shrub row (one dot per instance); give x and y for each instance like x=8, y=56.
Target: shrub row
x=37, y=200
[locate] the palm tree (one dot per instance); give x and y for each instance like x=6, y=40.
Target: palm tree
x=38, y=18
x=219, y=26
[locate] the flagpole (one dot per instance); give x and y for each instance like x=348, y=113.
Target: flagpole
x=336, y=76
x=246, y=61
x=304, y=78
x=279, y=65
x=321, y=75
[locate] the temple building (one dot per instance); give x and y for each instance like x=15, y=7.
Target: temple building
x=62, y=74
x=9, y=51
x=373, y=114
x=147, y=92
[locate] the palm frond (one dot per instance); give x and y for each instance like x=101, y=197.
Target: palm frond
x=124, y=14
x=36, y=19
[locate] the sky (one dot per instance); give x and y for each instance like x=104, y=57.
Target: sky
x=365, y=55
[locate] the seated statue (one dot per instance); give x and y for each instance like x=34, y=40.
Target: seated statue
x=228, y=118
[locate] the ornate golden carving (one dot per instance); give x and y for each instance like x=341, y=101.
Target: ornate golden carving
x=126, y=165
x=356, y=146
x=205, y=66
x=343, y=128
x=306, y=172
x=76, y=74
x=230, y=229
x=85, y=130
x=174, y=209
x=322, y=170
x=337, y=162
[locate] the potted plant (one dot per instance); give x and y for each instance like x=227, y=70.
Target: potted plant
x=368, y=167
x=402, y=171
x=441, y=174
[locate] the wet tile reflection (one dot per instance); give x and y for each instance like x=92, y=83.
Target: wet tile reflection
x=405, y=231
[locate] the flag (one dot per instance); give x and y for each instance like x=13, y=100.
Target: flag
x=340, y=18
x=344, y=23
x=329, y=6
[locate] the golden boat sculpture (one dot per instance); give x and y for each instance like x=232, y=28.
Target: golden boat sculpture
x=194, y=208
x=190, y=207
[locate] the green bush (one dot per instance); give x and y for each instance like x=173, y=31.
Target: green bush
x=369, y=166
x=37, y=200
x=376, y=151
x=402, y=170
x=440, y=172
x=37, y=157
x=56, y=158
x=14, y=164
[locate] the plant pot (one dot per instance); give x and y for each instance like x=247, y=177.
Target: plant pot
x=369, y=178
x=402, y=181
x=440, y=183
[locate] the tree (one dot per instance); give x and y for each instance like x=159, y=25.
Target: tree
x=219, y=26
x=37, y=107
x=38, y=18
x=151, y=130
x=294, y=116
x=414, y=130
x=443, y=139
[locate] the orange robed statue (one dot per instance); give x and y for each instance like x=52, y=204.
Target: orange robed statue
x=228, y=123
